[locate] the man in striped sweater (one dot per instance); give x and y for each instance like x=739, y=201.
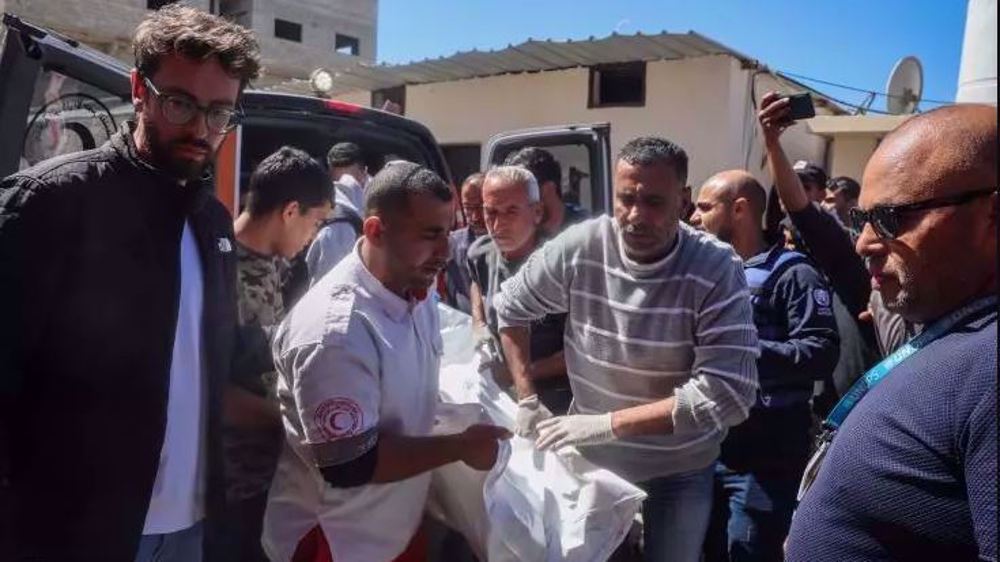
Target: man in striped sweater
x=660, y=345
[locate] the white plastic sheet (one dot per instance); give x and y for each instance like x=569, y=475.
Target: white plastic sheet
x=533, y=506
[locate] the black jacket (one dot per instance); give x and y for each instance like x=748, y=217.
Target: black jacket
x=89, y=289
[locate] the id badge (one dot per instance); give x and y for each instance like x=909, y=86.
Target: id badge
x=812, y=469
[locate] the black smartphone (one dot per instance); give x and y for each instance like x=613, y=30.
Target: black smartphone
x=800, y=106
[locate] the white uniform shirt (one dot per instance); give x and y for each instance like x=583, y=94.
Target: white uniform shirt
x=353, y=359
x=177, y=501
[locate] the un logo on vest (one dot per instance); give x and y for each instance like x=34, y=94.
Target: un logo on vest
x=822, y=297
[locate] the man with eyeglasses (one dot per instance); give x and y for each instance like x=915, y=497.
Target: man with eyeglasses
x=458, y=280
x=118, y=284
x=907, y=467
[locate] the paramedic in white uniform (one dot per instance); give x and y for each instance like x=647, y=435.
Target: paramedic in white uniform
x=358, y=364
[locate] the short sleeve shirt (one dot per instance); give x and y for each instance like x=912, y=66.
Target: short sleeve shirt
x=354, y=360
x=489, y=269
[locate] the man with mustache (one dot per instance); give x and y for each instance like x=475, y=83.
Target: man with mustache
x=119, y=297
x=513, y=214
x=907, y=468
x=357, y=363
x=660, y=345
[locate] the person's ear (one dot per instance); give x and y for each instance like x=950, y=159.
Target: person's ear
x=138, y=90
x=538, y=211
x=290, y=211
x=739, y=207
x=374, y=230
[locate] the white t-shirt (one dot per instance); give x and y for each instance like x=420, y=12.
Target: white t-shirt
x=353, y=359
x=177, y=502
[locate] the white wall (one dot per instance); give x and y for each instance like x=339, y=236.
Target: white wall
x=850, y=153
x=977, y=76
x=700, y=103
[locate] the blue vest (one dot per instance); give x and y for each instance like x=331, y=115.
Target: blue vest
x=772, y=323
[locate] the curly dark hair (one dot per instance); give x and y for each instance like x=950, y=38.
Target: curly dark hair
x=186, y=31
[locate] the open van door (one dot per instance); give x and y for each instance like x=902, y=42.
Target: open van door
x=56, y=96
x=69, y=97
x=583, y=151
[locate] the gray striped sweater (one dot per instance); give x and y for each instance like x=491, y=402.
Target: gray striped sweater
x=639, y=333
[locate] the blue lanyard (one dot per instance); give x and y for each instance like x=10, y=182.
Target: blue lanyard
x=879, y=371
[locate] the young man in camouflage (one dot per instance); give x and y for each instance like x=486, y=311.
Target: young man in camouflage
x=289, y=196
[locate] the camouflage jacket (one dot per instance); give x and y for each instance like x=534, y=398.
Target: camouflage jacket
x=251, y=455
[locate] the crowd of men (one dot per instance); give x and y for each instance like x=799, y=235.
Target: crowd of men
x=805, y=373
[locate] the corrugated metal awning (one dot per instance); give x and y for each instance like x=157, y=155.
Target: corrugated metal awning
x=539, y=56
x=530, y=56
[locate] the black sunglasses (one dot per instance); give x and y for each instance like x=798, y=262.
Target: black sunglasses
x=181, y=109
x=885, y=219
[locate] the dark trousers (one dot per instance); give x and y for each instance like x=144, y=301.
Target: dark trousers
x=237, y=538
x=751, y=514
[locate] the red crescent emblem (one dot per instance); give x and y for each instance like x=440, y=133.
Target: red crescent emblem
x=338, y=417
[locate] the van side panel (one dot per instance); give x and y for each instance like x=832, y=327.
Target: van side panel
x=227, y=168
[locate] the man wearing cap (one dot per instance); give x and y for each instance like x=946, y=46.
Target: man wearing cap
x=910, y=467
x=336, y=239
x=822, y=236
x=813, y=180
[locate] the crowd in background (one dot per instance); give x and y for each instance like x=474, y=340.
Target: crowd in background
x=805, y=371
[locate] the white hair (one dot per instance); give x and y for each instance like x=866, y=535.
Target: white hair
x=518, y=175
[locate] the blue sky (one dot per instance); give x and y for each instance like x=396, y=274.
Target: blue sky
x=853, y=42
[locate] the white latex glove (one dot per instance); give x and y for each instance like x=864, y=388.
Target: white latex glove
x=575, y=431
x=530, y=411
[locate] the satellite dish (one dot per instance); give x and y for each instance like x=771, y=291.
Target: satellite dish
x=905, y=86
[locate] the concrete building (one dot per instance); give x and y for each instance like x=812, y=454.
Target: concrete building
x=685, y=87
x=296, y=36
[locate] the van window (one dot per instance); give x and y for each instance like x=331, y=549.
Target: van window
x=574, y=161
x=67, y=115
x=262, y=136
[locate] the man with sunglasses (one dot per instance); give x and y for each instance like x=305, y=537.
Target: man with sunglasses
x=907, y=467
x=118, y=284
